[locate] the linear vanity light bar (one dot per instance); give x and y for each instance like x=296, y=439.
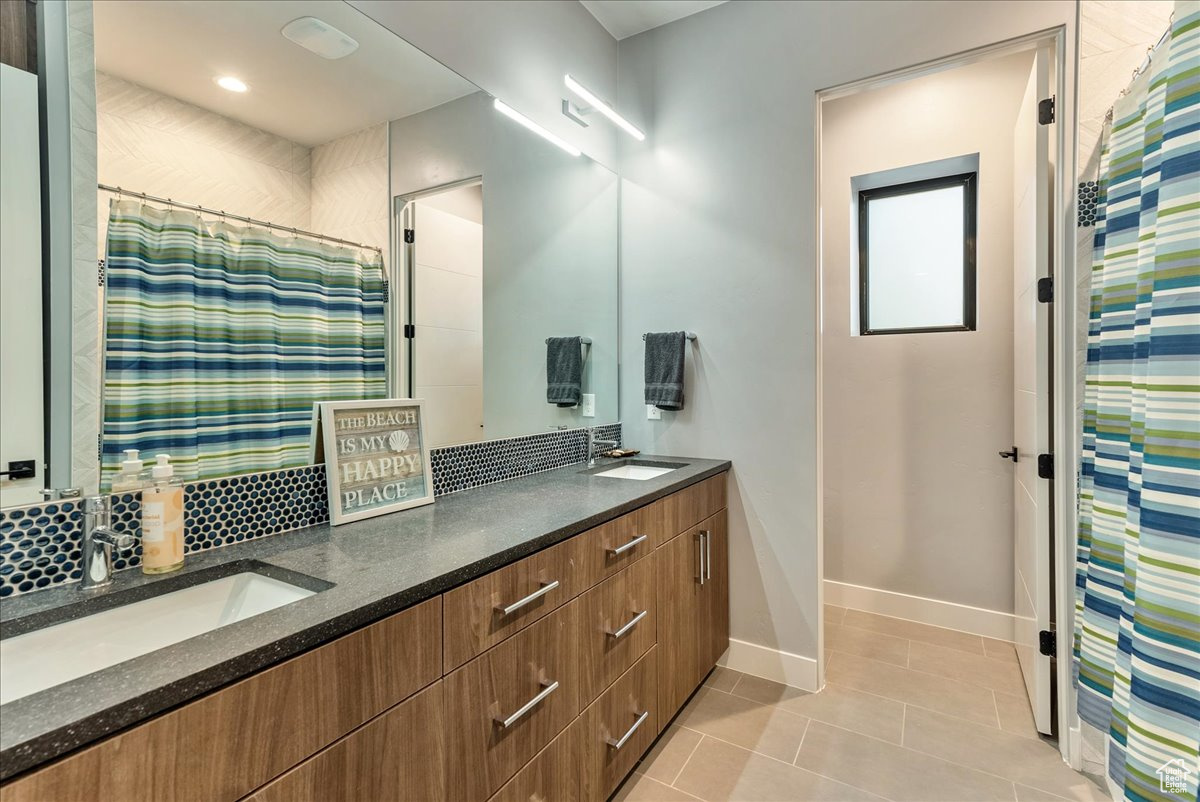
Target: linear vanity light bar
x=602, y=107
x=512, y=113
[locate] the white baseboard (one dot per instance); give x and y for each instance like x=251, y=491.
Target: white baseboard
x=976, y=620
x=762, y=661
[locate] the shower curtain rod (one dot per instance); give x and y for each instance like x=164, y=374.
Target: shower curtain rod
x=248, y=220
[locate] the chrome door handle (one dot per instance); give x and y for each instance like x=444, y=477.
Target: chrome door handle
x=700, y=543
x=525, y=708
x=630, y=625
x=629, y=732
x=537, y=594
x=619, y=550
x=708, y=555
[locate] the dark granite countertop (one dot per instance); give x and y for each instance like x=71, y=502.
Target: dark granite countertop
x=377, y=567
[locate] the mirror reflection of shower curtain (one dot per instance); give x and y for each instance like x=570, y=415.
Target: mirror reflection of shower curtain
x=219, y=338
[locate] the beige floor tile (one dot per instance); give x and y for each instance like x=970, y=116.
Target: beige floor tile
x=665, y=759
x=999, y=650
x=892, y=771
x=865, y=643
x=843, y=707
x=997, y=675
x=1086, y=792
x=942, y=694
x=900, y=628
x=1015, y=715
x=720, y=771
x=748, y=724
x=1023, y=760
x=723, y=679
x=834, y=614
x=640, y=788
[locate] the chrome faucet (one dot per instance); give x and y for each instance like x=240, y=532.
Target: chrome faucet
x=592, y=442
x=99, y=540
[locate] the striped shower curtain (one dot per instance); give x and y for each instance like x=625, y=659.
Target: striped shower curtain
x=219, y=338
x=1137, y=611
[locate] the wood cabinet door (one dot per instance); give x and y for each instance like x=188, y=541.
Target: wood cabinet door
x=399, y=757
x=677, y=572
x=552, y=776
x=713, y=637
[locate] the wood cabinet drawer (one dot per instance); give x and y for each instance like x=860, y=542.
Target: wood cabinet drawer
x=398, y=757
x=618, y=728
x=552, y=776
x=696, y=503
x=504, y=706
x=226, y=744
x=484, y=612
x=618, y=624
x=612, y=547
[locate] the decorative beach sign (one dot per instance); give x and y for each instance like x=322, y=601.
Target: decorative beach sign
x=376, y=460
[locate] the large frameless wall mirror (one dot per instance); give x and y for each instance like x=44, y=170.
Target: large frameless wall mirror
x=253, y=208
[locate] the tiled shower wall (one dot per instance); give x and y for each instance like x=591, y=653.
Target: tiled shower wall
x=40, y=543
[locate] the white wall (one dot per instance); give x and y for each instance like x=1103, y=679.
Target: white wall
x=516, y=50
x=917, y=501
x=154, y=143
x=718, y=235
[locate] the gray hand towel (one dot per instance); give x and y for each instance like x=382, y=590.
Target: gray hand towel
x=664, y=369
x=564, y=370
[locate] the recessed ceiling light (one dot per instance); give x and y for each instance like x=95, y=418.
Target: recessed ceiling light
x=231, y=83
x=320, y=37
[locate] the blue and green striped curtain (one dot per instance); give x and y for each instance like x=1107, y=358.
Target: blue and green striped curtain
x=1137, y=610
x=219, y=338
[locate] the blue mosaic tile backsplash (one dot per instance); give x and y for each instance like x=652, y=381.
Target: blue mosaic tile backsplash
x=40, y=543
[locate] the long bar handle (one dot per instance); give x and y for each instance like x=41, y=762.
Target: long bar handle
x=707, y=553
x=619, y=550
x=525, y=708
x=629, y=625
x=629, y=732
x=700, y=543
x=537, y=594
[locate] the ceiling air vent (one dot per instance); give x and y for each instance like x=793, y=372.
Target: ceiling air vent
x=320, y=37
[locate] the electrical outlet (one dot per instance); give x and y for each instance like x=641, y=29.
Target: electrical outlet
x=588, y=407
x=653, y=412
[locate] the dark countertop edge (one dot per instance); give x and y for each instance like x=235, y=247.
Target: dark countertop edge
x=36, y=752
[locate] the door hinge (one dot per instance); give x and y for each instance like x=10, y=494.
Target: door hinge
x=410, y=331
x=1045, y=466
x=1048, y=642
x=1046, y=111
x=410, y=236
x=1045, y=290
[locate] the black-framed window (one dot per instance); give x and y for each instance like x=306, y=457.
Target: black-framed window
x=916, y=256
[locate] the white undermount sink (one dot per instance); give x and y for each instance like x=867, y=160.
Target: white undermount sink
x=61, y=652
x=638, y=469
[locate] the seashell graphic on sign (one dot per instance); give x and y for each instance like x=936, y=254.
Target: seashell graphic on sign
x=398, y=440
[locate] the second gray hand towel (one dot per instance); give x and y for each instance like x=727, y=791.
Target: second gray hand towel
x=664, y=369
x=564, y=370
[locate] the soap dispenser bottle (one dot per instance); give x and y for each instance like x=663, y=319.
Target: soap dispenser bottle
x=162, y=519
x=131, y=476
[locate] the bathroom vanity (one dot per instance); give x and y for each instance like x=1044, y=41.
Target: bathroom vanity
x=527, y=640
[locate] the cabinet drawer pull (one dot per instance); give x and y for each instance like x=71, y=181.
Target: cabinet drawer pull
x=537, y=594
x=619, y=550
x=525, y=708
x=700, y=543
x=628, y=733
x=632, y=623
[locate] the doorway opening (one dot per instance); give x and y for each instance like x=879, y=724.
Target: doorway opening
x=441, y=333
x=938, y=200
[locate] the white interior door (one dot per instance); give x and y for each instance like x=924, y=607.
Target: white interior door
x=20, y=286
x=1031, y=371
x=447, y=352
